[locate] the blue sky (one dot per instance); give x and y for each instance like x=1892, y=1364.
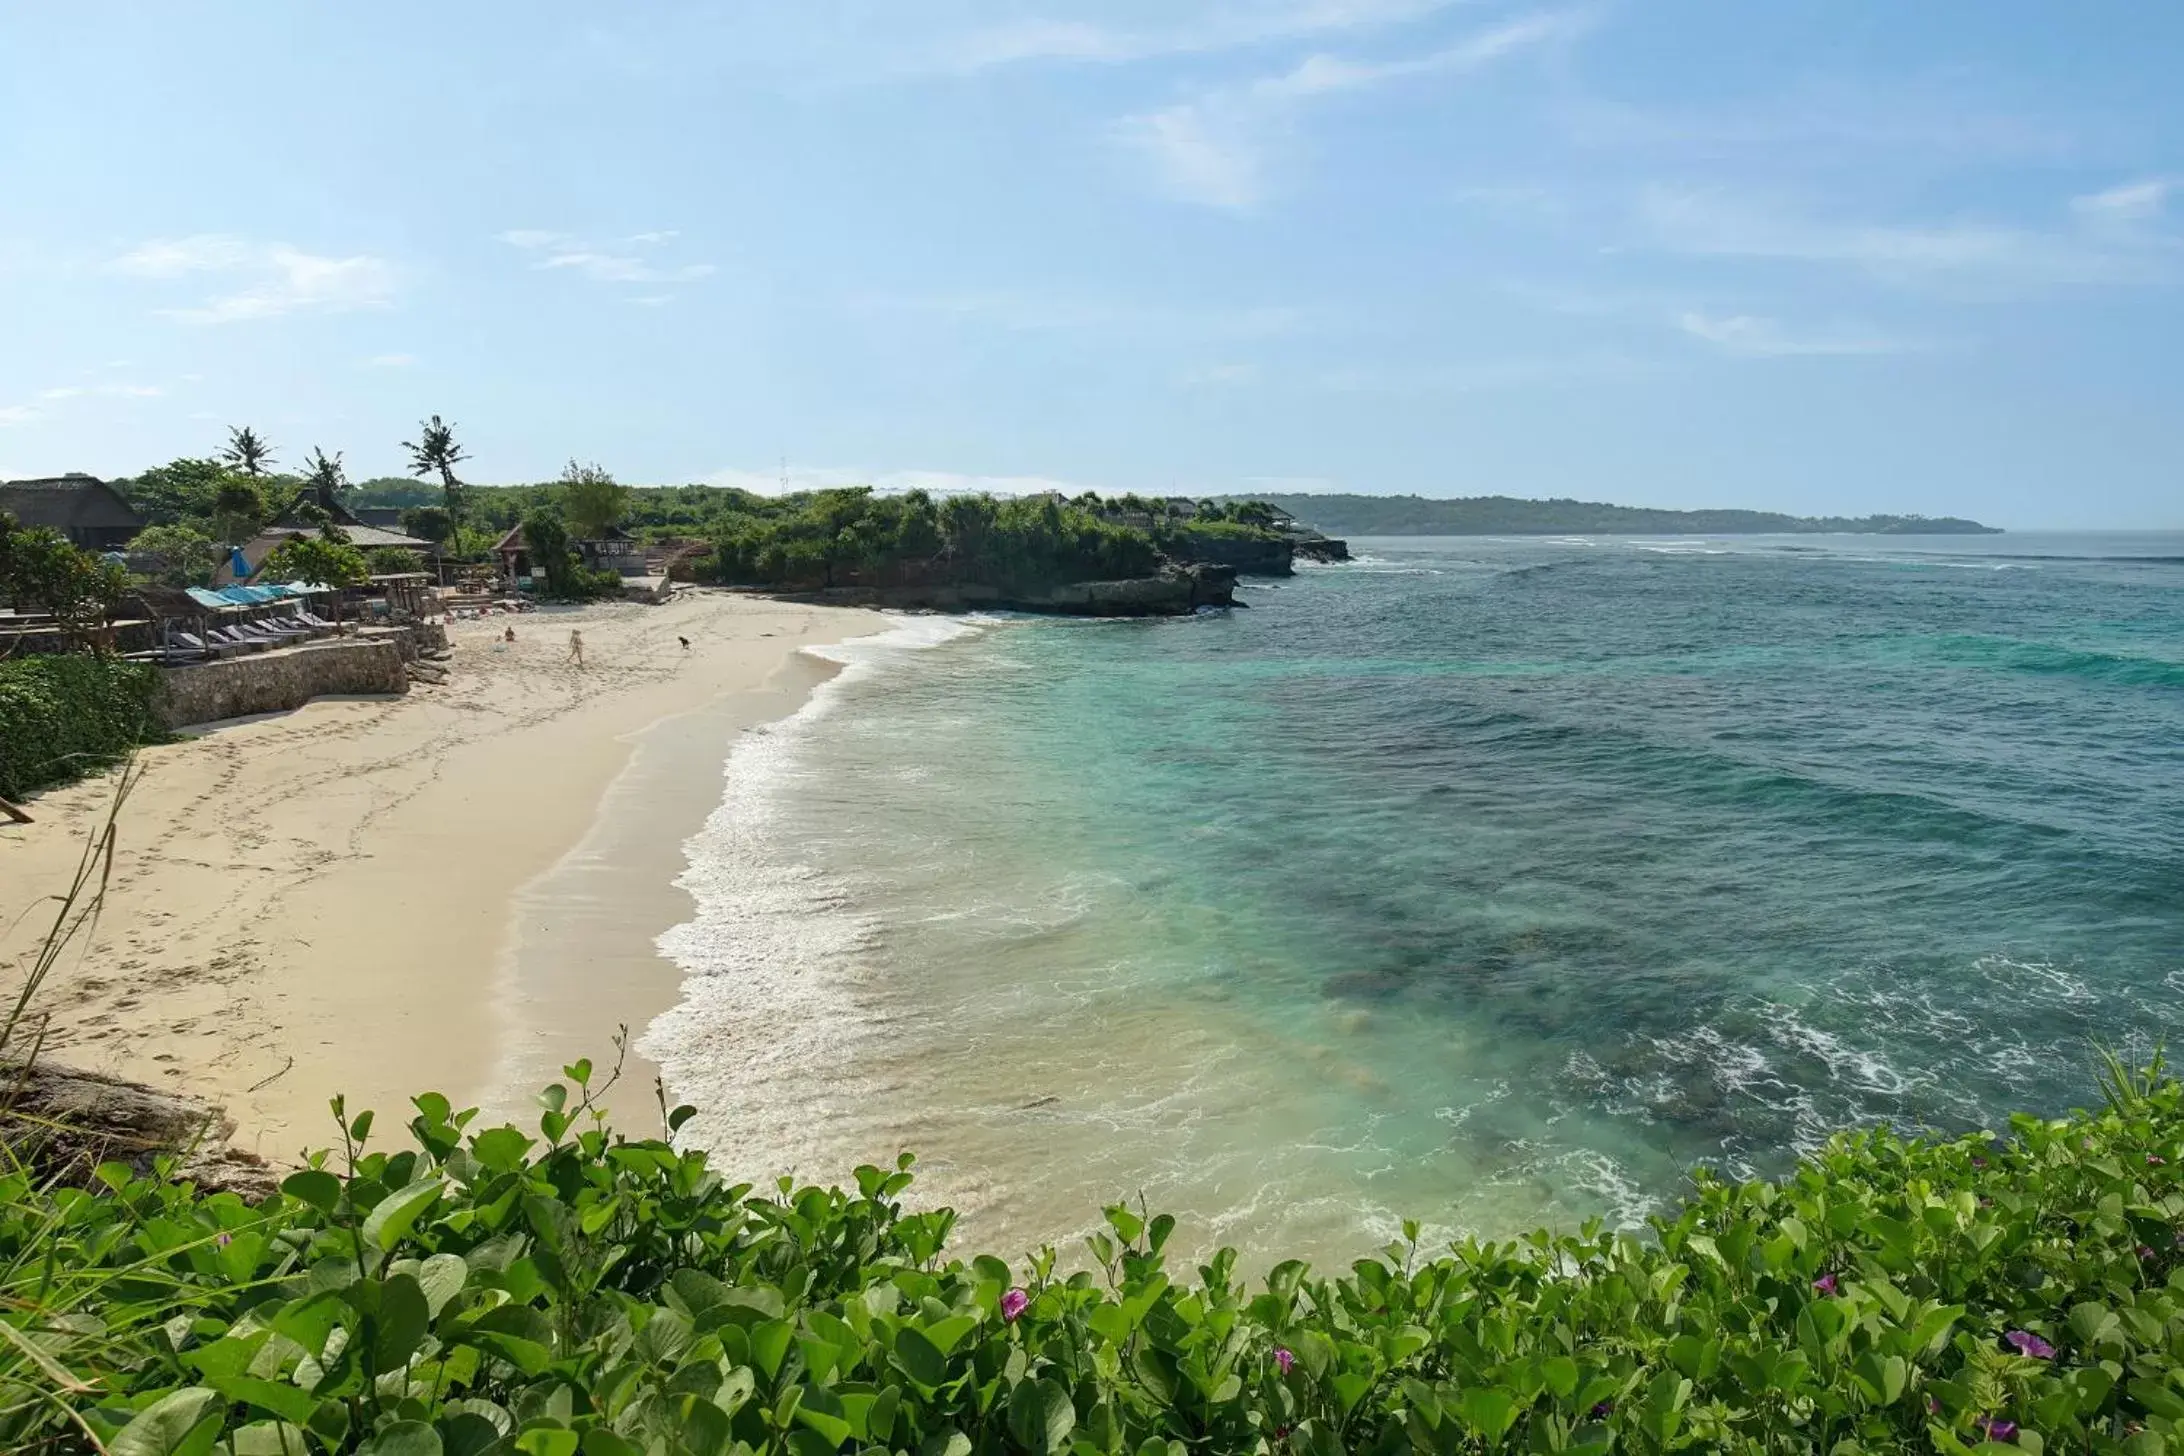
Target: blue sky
x=1812, y=255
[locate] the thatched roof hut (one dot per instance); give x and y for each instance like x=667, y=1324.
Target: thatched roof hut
x=83, y=508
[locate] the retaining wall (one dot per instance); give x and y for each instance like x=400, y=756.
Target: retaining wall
x=275, y=682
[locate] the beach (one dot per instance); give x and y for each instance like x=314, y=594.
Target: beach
x=332, y=900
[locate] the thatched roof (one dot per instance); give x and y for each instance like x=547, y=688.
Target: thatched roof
x=68, y=502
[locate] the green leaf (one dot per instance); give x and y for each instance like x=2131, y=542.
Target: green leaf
x=268, y=1438
x=946, y=1443
x=402, y=1321
x=2094, y=1323
x=403, y=1438
x=442, y=1277
x=920, y=1359
x=770, y=1345
x=315, y=1186
x=392, y=1216
x=547, y=1441
x=599, y=1441
x=274, y=1397
x=1488, y=1410
x=500, y=1148
x=1041, y=1416
x=822, y=1412
x=168, y=1425
x=948, y=1333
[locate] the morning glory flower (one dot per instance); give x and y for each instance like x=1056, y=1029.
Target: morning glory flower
x=1013, y=1304
x=1284, y=1360
x=2025, y=1342
x=1825, y=1284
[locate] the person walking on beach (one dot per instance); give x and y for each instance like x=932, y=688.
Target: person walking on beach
x=576, y=648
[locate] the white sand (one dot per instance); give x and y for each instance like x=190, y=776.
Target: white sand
x=331, y=899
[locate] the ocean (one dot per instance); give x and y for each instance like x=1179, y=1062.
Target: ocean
x=1494, y=883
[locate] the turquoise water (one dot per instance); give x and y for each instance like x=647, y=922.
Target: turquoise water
x=1486, y=882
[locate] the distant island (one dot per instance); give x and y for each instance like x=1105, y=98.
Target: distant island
x=1501, y=515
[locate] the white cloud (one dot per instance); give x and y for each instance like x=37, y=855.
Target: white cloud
x=2128, y=204
x=174, y=257
x=935, y=482
x=1236, y=25
x=1215, y=148
x=1752, y=337
x=390, y=361
x=1031, y=313
x=117, y=391
x=1711, y=224
x=624, y=267
x=16, y=414
x=275, y=278
x=605, y=264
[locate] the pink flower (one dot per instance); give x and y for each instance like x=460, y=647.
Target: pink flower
x=1013, y=1304
x=2001, y=1430
x=1284, y=1360
x=1825, y=1284
x=2145, y=1251
x=2025, y=1342
x=2155, y=1160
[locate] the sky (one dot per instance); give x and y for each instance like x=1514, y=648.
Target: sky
x=1822, y=256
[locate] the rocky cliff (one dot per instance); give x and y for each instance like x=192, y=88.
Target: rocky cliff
x=1174, y=591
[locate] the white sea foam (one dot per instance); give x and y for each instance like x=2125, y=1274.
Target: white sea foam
x=766, y=1036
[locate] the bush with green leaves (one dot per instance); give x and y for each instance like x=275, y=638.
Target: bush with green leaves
x=64, y=716
x=576, y=1293
x=317, y=559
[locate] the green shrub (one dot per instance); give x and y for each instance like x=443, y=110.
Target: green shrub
x=64, y=716
x=393, y=560
x=317, y=559
x=583, y=1295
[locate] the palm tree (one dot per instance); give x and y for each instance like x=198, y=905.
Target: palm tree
x=434, y=451
x=246, y=451
x=324, y=480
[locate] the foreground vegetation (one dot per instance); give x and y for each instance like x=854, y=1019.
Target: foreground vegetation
x=1500, y=515
x=572, y=1291
x=65, y=715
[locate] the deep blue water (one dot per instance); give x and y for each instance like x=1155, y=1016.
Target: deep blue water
x=1483, y=881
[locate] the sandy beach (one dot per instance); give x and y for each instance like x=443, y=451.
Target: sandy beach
x=383, y=896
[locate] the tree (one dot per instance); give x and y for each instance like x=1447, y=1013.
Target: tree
x=388, y=560
x=592, y=499
x=434, y=452
x=427, y=523
x=547, y=542
x=246, y=451
x=315, y=559
x=188, y=554
x=177, y=490
x=42, y=569
x=324, y=480
x=238, y=509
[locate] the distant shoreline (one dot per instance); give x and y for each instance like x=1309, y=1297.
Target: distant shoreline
x=1411, y=515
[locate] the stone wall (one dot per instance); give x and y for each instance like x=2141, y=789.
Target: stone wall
x=275, y=682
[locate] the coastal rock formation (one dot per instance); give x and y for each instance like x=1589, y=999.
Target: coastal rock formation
x=67, y=1122
x=1250, y=555
x=1174, y=591
x=1316, y=547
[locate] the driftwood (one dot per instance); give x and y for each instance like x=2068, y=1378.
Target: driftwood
x=66, y=1123
x=15, y=811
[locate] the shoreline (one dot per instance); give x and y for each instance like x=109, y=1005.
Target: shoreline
x=333, y=899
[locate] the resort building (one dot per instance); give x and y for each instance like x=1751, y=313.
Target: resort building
x=85, y=509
